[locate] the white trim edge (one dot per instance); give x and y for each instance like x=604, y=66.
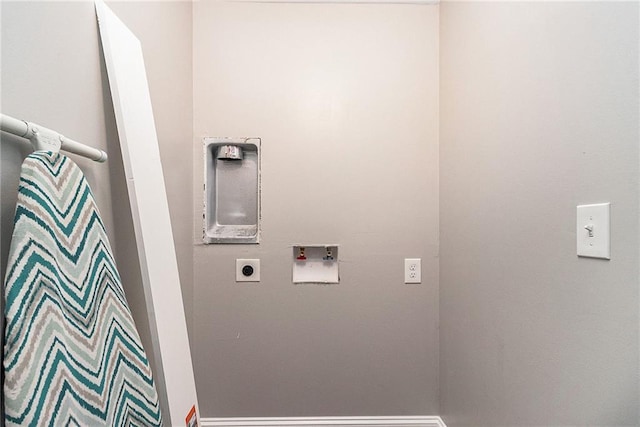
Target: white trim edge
x=422, y=421
x=427, y=2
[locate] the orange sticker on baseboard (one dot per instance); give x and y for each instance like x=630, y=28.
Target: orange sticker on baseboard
x=192, y=419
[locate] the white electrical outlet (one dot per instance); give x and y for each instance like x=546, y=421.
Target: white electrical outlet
x=247, y=270
x=412, y=270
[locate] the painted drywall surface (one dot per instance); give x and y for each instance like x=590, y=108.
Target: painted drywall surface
x=45, y=82
x=345, y=99
x=539, y=113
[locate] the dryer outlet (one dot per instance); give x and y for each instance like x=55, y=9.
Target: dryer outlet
x=247, y=270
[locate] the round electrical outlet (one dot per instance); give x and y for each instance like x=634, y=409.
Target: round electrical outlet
x=247, y=270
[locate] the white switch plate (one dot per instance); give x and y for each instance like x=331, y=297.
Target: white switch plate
x=412, y=270
x=254, y=264
x=593, y=231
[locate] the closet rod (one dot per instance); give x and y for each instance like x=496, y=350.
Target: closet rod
x=44, y=139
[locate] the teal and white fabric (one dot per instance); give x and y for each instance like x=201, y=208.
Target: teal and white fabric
x=72, y=355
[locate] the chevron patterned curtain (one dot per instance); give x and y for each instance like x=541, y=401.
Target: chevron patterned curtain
x=72, y=355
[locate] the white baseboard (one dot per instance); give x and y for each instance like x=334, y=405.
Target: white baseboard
x=324, y=421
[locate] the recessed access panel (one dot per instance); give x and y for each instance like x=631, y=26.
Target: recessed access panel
x=315, y=264
x=232, y=190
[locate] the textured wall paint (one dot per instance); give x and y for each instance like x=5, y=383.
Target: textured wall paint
x=345, y=99
x=539, y=108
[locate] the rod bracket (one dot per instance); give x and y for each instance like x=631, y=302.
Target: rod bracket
x=44, y=139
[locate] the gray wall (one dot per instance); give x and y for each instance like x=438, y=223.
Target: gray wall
x=539, y=113
x=53, y=74
x=345, y=99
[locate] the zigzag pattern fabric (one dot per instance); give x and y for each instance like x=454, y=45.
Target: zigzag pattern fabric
x=72, y=355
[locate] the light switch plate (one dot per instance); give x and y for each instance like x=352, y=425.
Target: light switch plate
x=593, y=231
